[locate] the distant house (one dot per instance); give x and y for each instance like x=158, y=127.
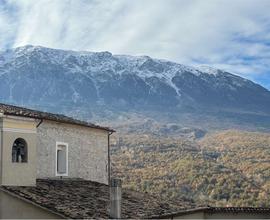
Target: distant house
x=53, y=166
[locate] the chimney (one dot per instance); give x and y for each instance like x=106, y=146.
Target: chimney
x=115, y=198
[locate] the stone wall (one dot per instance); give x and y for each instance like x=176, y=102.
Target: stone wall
x=87, y=151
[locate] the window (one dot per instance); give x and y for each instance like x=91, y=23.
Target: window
x=19, y=151
x=61, y=159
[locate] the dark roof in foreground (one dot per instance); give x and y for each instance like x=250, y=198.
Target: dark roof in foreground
x=77, y=198
x=239, y=209
x=213, y=210
x=30, y=113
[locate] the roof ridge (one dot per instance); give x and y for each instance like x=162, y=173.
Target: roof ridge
x=37, y=114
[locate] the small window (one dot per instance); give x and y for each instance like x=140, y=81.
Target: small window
x=19, y=151
x=61, y=159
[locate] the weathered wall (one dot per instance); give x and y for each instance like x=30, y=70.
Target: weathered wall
x=14, y=208
x=22, y=174
x=193, y=215
x=87, y=151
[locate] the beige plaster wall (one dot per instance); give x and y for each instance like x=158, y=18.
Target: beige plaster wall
x=87, y=151
x=193, y=215
x=14, y=208
x=23, y=174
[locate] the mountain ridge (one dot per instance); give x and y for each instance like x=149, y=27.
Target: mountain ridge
x=195, y=70
x=90, y=84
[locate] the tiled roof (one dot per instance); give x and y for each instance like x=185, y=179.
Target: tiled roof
x=30, y=113
x=238, y=209
x=76, y=198
x=221, y=210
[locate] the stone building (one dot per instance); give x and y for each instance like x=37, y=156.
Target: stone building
x=38, y=145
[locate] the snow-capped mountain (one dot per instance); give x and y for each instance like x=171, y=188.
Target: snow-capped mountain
x=99, y=82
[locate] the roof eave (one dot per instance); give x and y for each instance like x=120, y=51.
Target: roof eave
x=61, y=121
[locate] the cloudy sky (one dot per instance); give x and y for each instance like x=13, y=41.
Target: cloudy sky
x=229, y=34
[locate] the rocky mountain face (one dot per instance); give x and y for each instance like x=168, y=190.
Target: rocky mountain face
x=102, y=86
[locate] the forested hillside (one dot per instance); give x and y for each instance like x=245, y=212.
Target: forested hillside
x=227, y=168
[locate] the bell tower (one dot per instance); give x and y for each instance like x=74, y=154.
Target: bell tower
x=18, y=151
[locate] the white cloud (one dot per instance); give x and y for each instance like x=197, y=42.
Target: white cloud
x=223, y=33
x=7, y=26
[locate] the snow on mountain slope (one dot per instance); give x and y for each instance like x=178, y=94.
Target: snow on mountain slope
x=60, y=79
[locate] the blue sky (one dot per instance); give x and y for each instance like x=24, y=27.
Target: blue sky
x=229, y=34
